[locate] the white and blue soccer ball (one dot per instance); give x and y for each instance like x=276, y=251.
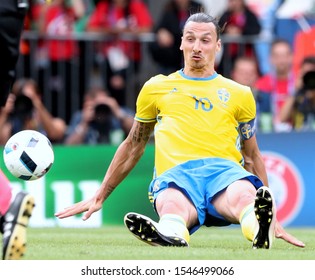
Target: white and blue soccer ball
x=28, y=155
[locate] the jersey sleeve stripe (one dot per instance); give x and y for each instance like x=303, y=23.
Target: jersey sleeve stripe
x=145, y=120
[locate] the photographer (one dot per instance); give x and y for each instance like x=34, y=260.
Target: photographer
x=300, y=108
x=24, y=109
x=101, y=121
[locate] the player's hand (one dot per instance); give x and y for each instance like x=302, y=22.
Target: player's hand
x=281, y=233
x=89, y=206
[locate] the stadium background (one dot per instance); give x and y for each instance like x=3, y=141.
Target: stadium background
x=85, y=68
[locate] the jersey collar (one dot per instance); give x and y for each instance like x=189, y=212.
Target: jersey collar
x=181, y=72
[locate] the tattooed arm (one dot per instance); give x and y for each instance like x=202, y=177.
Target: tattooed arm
x=126, y=157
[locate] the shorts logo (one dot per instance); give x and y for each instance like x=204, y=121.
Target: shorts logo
x=287, y=185
x=156, y=186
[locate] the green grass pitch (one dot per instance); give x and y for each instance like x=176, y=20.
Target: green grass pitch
x=116, y=243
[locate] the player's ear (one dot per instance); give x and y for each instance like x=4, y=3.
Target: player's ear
x=181, y=47
x=218, y=48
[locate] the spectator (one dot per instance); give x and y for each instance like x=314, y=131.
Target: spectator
x=239, y=21
x=58, y=19
x=165, y=50
x=308, y=64
x=25, y=110
x=275, y=87
x=116, y=17
x=266, y=13
x=30, y=20
x=300, y=108
x=84, y=9
x=304, y=46
x=101, y=121
x=245, y=71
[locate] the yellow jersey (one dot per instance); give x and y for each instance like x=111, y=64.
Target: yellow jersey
x=196, y=117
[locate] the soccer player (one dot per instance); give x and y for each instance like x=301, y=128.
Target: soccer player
x=208, y=167
x=15, y=210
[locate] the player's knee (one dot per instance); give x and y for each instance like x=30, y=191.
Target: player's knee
x=239, y=196
x=173, y=201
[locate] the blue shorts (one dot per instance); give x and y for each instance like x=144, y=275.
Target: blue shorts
x=200, y=180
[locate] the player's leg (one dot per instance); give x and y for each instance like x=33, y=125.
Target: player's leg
x=176, y=213
x=14, y=216
x=13, y=225
x=254, y=210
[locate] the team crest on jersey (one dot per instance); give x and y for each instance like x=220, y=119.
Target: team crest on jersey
x=223, y=95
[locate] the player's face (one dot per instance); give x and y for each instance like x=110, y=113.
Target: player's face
x=199, y=46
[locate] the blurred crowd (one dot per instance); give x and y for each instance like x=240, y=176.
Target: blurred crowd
x=267, y=45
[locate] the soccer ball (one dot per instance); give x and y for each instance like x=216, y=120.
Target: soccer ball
x=28, y=155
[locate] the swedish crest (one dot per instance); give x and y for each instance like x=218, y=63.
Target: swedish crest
x=223, y=95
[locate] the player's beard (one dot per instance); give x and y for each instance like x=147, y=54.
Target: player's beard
x=197, y=64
